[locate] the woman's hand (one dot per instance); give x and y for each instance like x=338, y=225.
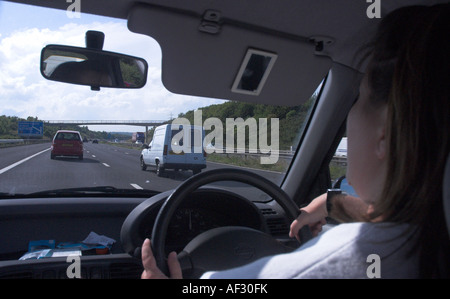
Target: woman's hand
x=151, y=270
x=313, y=215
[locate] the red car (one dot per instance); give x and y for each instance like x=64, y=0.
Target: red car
x=67, y=143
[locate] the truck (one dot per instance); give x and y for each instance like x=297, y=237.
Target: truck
x=342, y=148
x=169, y=149
x=138, y=137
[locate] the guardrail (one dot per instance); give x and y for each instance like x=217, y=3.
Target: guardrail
x=11, y=140
x=283, y=154
x=14, y=142
x=339, y=160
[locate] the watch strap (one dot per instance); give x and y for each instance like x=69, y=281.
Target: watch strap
x=330, y=194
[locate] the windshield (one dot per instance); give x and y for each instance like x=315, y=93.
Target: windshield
x=146, y=138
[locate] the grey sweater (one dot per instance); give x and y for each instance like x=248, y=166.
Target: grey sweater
x=353, y=250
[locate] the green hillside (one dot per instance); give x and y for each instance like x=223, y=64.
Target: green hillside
x=290, y=118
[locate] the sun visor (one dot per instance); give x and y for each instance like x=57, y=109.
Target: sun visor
x=212, y=56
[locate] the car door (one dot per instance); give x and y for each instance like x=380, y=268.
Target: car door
x=155, y=150
x=146, y=154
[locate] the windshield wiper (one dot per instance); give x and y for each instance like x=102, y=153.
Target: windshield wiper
x=83, y=191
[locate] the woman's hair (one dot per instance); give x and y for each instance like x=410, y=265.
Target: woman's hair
x=409, y=71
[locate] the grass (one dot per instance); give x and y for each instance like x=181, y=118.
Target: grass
x=337, y=170
x=248, y=161
x=232, y=159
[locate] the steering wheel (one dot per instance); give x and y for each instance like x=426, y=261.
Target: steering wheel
x=223, y=247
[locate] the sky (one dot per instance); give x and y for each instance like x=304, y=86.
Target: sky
x=24, y=92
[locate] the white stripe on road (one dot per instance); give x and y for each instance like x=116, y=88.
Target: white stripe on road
x=21, y=161
x=136, y=186
x=106, y=165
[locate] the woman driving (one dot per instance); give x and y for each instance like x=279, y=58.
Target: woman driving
x=398, y=143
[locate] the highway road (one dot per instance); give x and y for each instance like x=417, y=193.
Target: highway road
x=28, y=168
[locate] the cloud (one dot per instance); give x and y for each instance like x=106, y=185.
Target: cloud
x=26, y=93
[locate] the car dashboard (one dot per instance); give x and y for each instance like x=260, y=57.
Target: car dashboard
x=72, y=219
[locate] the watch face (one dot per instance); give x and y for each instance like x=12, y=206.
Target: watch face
x=334, y=191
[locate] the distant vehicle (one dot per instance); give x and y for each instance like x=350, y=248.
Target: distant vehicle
x=342, y=148
x=95, y=141
x=67, y=143
x=164, y=152
x=138, y=136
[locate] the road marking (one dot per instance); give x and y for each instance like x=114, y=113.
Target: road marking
x=21, y=161
x=106, y=165
x=93, y=156
x=136, y=186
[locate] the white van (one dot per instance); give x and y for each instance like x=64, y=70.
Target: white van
x=168, y=150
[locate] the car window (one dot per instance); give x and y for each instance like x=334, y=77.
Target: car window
x=338, y=165
x=118, y=126
x=338, y=168
x=68, y=136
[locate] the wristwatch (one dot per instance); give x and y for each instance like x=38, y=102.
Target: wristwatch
x=330, y=194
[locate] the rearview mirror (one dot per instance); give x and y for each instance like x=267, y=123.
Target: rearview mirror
x=93, y=67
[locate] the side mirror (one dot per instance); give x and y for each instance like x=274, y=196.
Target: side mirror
x=342, y=183
x=145, y=146
x=92, y=67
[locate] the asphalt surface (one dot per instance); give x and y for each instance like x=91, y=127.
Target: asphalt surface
x=28, y=168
